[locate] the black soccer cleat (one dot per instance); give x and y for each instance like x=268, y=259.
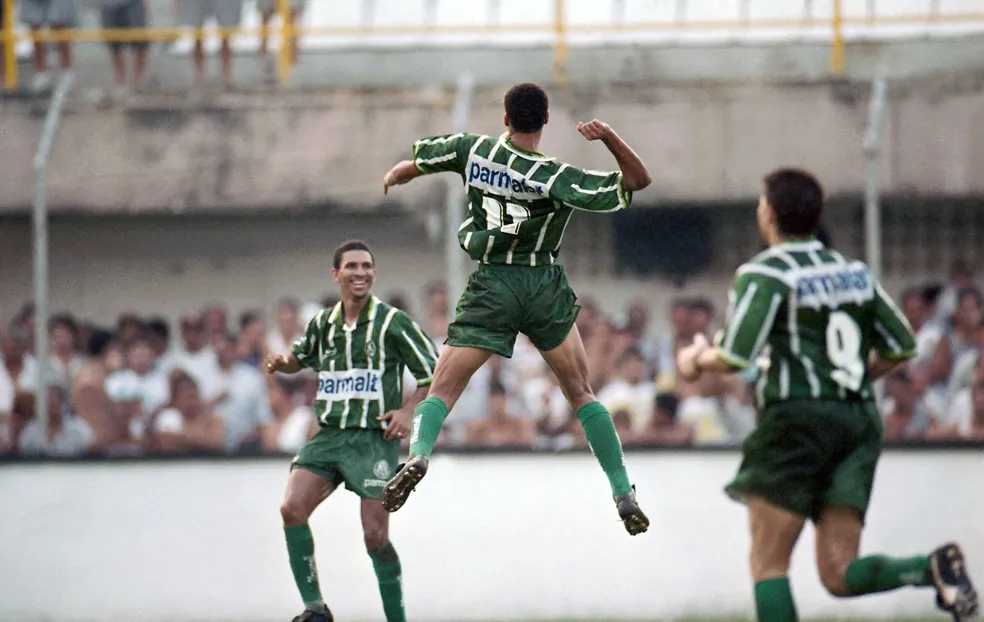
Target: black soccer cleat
x=408, y=475
x=632, y=516
x=954, y=591
x=315, y=616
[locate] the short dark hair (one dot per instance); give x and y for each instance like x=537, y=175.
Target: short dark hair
x=248, y=317
x=668, y=403
x=351, y=245
x=701, y=304
x=526, y=106
x=158, y=326
x=65, y=320
x=99, y=342
x=797, y=199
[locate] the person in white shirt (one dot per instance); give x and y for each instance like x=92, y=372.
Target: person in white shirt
x=243, y=403
x=18, y=365
x=632, y=390
x=64, y=360
x=65, y=436
x=6, y=411
x=292, y=424
x=917, y=310
x=139, y=387
x=198, y=357
x=287, y=328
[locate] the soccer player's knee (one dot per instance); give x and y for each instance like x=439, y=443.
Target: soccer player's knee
x=293, y=513
x=376, y=538
x=832, y=576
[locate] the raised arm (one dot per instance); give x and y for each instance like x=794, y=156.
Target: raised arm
x=635, y=176
x=435, y=154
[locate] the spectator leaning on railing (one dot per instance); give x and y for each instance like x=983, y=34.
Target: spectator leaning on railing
x=56, y=15
x=126, y=14
x=267, y=9
x=227, y=13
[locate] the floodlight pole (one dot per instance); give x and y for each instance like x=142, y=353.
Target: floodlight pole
x=872, y=207
x=456, y=199
x=40, y=218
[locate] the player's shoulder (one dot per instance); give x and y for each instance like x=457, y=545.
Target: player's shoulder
x=766, y=268
x=456, y=139
x=393, y=318
x=324, y=317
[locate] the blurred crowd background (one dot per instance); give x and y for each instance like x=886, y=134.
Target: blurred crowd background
x=171, y=187
x=138, y=386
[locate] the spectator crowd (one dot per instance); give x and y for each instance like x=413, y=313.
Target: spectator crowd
x=57, y=16
x=132, y=390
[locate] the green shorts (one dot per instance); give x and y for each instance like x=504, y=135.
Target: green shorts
x=806, y=455
x=503, y=301
x=361, y=458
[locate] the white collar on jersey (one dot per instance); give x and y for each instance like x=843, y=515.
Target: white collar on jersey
x=805, y=245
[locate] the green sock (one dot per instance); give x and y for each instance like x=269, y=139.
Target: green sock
x=774, y=601
x=428, y=417
x=300, y=548
x=601, y=435
x=386, y=563
x=878, y=573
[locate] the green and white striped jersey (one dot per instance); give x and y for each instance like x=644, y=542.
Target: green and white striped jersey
x=519, y=202
x=360, y=368
x=814, y=316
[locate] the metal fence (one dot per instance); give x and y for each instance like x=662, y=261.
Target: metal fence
x=556, y=23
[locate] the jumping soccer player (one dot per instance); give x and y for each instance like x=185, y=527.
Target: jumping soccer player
x=828, y=330
x=520, y=202
x=359, y=349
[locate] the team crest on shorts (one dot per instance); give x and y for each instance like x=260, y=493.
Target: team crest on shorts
x=370, y=350
x=381, y=469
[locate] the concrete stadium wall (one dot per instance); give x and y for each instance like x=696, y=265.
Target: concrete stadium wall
x=102, y=267
x=481, y=539
x=703, y=143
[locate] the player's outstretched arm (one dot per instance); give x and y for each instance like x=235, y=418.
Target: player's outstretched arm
x=700, y=357
x=635, y=176
x=284, y=364
x=400, y=174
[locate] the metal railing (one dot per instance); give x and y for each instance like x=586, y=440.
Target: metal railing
x=559, y=23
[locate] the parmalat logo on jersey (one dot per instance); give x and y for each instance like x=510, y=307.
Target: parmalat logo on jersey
x=497, y=178
x=354, y=384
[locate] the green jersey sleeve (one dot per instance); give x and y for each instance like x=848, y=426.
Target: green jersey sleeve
x=592, y=191
x=416, y=349
x=753, y=302
x=893, y=338
x=448, y=153
x=306, y=347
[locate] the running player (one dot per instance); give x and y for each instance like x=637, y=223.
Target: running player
x=520, y=202
x=828, y=330
x=359, y=348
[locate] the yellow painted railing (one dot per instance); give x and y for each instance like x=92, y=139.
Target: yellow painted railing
x=559, y=29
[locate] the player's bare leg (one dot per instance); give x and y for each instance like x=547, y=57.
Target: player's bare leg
x=455, y=367
x=569, y=363
x=305, y=491
x=843, y=574
x=774, y=534
x=385, y=561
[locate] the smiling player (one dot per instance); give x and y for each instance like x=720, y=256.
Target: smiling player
x=359, y=348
